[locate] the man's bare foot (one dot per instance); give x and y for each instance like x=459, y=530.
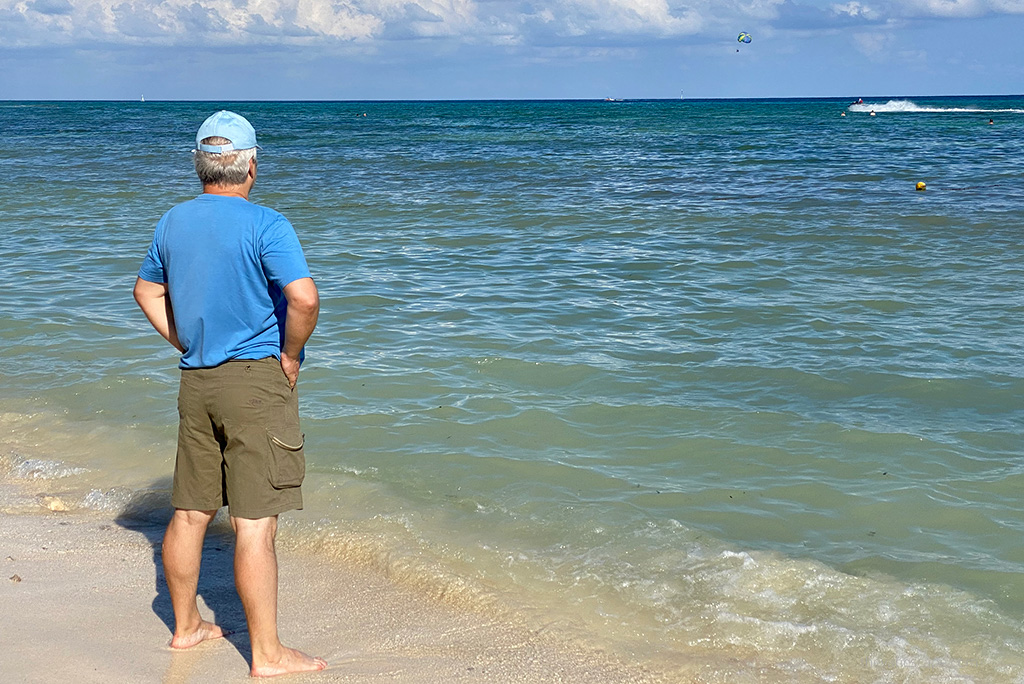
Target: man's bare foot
x=206, y=631
x=291, y=661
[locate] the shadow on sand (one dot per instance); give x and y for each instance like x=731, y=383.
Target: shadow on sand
x=148, y=513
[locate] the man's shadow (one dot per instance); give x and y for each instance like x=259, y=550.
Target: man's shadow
x=148, y=513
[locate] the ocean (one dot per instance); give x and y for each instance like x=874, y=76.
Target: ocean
x=708, y=384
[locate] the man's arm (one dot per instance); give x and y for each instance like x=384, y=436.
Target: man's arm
x=154, y=302
x=303, y=310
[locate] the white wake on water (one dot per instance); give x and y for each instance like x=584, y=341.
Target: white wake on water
x=904, y=106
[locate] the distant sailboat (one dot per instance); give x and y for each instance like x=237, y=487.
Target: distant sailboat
x=142, y=99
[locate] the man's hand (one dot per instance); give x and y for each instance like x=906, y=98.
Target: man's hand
x=290, y=366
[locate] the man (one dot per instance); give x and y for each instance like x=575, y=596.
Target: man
x=227, y=284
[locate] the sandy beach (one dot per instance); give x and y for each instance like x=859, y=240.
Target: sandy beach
x=84, y=600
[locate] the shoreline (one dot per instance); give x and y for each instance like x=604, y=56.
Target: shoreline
x=86, y=592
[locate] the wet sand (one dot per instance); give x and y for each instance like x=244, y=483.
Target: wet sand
x=84, y=600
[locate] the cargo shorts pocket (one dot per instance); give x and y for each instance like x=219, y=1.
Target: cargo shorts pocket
x=287, y=462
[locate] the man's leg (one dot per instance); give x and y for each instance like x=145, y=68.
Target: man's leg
x=256, y=581
x=182, y=555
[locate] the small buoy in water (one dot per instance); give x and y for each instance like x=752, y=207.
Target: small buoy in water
x=920, y=185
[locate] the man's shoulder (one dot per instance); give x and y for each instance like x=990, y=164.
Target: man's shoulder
x=270, y=214
x=184, y=207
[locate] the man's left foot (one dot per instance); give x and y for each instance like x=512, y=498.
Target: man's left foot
x=206, y=632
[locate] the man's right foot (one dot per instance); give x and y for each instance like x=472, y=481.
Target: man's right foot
x=291, y=661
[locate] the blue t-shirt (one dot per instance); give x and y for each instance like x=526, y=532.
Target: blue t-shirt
x=225, y=262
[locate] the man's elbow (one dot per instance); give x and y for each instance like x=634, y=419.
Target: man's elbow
x=303, y=297
x=310, y=306
x=140, y=292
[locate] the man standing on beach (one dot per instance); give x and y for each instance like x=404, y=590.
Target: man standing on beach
x=227, y=284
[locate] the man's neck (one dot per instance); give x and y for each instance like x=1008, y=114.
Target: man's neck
x=228, y=190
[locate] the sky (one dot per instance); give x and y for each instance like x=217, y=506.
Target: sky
x=227, y=50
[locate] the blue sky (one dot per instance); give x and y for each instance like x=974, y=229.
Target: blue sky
x=482, y=49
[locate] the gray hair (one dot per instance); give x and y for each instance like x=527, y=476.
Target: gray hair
x=226, y=168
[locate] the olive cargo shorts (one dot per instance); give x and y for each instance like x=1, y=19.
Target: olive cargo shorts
x=239, y=442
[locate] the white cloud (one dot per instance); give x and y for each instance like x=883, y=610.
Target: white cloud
x=594, y=24
x=856, y=10
x=652, y=17
x=873, y=44
x=162, y=22
x=960, y=8
x=50, y=6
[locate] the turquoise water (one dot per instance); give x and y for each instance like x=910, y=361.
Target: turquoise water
x=707, y=382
